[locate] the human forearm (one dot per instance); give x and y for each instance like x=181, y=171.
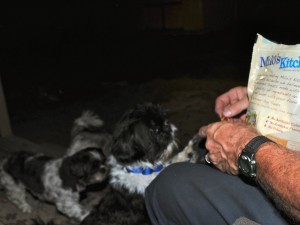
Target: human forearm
x=278, y=169
x=278, y=173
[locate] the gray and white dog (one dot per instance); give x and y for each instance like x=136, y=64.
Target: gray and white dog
x=60, y=180
x=88, y=131
x=55, y=180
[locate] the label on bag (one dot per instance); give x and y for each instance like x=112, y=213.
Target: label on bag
x=274, y=92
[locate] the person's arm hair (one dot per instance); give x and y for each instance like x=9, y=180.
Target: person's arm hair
x=278, y=173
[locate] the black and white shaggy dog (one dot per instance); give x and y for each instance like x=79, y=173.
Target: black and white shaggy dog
x=57, y=181
x=143, y=142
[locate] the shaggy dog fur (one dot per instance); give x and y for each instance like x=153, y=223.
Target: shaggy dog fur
x=57, y=181
x=60, y=180
x=88, y=131
x=143, y=143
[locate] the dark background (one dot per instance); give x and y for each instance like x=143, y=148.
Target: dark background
x=56, y=53
x=112, y=40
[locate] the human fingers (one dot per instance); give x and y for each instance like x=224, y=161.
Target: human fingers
x=209, y=129
x=236, y=107
x=230, y=168
x=221, y=102
x=219, y=165
x=227, y=169
x=217, y=155
x=232, y=96
x=222, y=163
x=202, y=131
x=214, y=158
x=224, y=143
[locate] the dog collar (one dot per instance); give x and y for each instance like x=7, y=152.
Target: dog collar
x=144, y=170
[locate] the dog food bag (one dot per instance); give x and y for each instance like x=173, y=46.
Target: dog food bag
x=274, y=92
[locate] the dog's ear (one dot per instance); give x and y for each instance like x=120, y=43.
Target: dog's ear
x=77, y=170
x=75, y=166
x=129, y=148
x=81, y=164
x=127, y=151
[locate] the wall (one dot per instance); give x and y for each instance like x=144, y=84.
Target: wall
x=173, y=14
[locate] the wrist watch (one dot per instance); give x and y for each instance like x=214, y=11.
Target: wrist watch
x=246, y=160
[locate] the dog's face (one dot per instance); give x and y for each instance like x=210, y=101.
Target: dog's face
x=143, y=134
x=85, y=167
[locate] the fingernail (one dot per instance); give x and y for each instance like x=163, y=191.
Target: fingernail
x=227, y=113
x=201, y=132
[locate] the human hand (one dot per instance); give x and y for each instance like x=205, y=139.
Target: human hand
x=232, y=104
x=225, y=141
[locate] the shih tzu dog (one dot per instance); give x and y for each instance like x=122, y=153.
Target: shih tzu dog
x=88, y=131
x=55, y=180
x=143, y=143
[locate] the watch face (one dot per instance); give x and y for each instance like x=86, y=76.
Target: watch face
x=244, y=164
x=246, y=160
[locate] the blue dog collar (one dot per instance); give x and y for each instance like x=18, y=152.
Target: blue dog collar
x=144, y=170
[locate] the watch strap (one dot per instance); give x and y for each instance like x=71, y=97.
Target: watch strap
x=247, y=156
x=255, y=143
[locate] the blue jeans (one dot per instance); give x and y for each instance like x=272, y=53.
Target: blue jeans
x=186, y=193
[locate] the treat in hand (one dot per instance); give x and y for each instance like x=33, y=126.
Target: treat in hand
x=224, y=118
